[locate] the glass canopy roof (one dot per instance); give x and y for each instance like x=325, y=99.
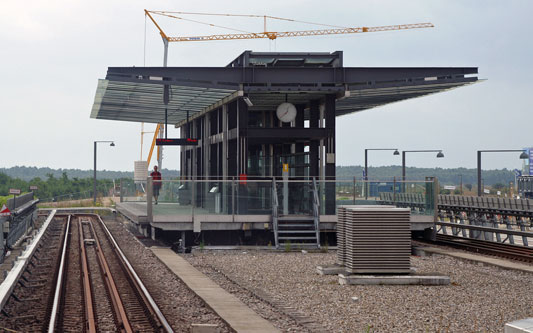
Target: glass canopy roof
x=142, y=102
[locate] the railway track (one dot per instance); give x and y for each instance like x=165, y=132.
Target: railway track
x=508, y=251
x=84, y=283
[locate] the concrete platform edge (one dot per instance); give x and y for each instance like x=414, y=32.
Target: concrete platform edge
x=230, y=309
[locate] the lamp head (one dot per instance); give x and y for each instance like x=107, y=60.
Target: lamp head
x=248, y=101
x=396, y=152
x=112, y=144
x=440, y=155
x=524, y=156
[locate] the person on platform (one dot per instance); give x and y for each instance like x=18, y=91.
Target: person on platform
x=156, y=181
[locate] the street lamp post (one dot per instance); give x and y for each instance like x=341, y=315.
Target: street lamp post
x=438, y=151
x=94, y=173
x=366, y=165
x=523, y=156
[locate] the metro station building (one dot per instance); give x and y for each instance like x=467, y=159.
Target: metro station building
x=263, y=110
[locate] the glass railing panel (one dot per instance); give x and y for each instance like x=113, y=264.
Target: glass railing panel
x=131, y=191
x=253, y=197
x=175, y=198
x=417, y=195
x=294, y=196
x=212, y=196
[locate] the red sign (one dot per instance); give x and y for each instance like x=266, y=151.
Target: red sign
x=242, y=178
x=176, y=142
x=5, y=211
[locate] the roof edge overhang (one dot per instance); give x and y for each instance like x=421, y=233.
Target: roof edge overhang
x=136, y=93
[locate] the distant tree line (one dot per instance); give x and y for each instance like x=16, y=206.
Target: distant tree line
x=29, y=173
x=52, y=188
x=445, y=176
x=65, y=187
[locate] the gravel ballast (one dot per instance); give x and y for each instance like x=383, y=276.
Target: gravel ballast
x=480, y=298
x=178, y=303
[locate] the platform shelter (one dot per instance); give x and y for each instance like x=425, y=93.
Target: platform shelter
x=264, y=116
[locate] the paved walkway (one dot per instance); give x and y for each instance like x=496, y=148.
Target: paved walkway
x=486, y=260
x=239, y=316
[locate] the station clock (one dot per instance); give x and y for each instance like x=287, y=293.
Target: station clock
x=286, y=112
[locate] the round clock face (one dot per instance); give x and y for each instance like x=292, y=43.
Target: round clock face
x=286, y=112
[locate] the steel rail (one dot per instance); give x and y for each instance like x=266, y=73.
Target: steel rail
x=59, y=284
x=488, y=247
x=146, y=295
x=118, y=306
x=90, y=320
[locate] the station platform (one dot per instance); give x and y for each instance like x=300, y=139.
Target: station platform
x=234, y=312
x=176, y=217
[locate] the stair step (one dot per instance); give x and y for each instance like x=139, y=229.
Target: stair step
x=297, y=224
x=290, y=225
x=296, y=231
x=302, y=244
x=296, y=218
x=287, y=237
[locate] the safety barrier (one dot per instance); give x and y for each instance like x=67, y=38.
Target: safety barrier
x=491, y=203
x=23, y=214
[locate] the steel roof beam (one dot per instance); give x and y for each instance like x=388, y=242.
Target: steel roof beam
x=228, y=77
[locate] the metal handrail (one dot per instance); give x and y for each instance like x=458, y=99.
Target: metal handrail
x=291, y=180
x=316, y=212
x=275, y=212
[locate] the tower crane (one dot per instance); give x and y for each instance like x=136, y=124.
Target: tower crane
x=265, y=34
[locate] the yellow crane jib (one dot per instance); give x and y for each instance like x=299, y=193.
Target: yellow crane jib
x=302, y=33
x=272, y=35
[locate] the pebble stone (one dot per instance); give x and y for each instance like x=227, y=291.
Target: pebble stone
x=479, y=298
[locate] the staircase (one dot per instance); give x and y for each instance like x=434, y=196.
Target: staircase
x=296, y=230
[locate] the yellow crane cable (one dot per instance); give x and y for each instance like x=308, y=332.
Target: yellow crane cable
x=249, y=15
x=200, y=22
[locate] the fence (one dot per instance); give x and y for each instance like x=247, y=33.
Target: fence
x=23, y=214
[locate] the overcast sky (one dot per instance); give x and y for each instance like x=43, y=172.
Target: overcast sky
x=53, y=52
